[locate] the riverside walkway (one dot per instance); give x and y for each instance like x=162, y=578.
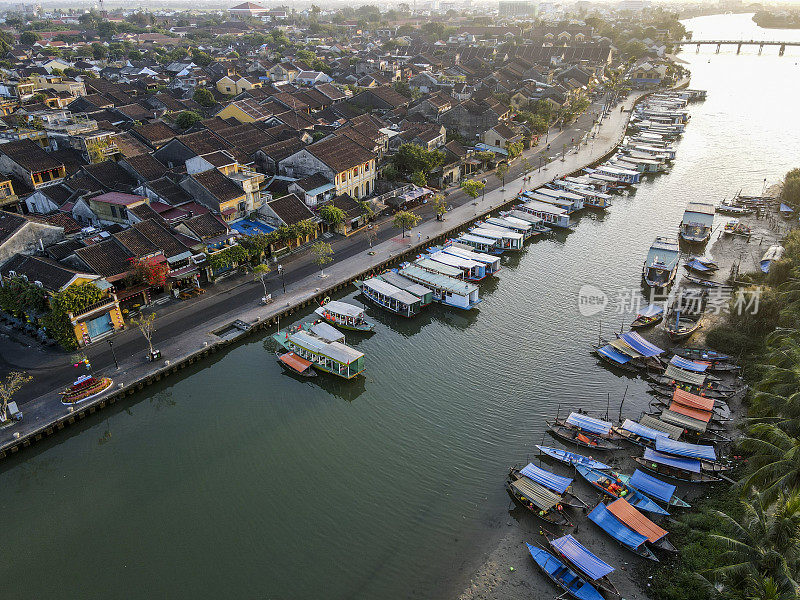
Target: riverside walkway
x=44, y=414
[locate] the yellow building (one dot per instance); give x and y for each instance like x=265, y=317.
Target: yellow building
x=244, y=111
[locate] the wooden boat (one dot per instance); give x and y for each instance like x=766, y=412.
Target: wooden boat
x=579, y=438
x=628, y=515
x=296, y=364
x=543, y=503
x=345, y=316
x=667, y=391
x=620, y=533
x=738, y=211
x=651, y=315
x=697, y=222
x=702, y=354
x=661, y=263
x=773, y=253
x=616, y=359
x=589, y=565
x=572, y=458
x=680, y=328
x=734, y=227
x=700, y=281
x=612, y=486
x=564, y=577
x=673, y=500
x=568, y=497
x=84, y=388
x=674, y=468
x=701, y=265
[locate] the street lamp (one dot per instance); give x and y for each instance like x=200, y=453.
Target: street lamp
x=113, y=354
x=283, y=281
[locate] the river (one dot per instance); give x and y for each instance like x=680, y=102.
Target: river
x=238, y=480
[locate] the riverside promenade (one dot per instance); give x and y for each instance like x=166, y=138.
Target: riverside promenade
x=44, y=415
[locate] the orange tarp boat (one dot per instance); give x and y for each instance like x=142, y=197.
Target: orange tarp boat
x=631, y=517
x=692, y=400
x=700, y=415
x=294, y=362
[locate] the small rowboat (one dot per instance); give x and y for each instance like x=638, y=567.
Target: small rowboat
x=681, y=328
x=621, y=533
x=572, y=458
x=702, y=354
x=727, y=209
x=611, y=485
x=564, y=577
x=296, y=364
x=543, y=503
x=703, y=282
x=590, y=566
x=668, y=390
x=651, y=315
x=579, y=438
x=698, y=264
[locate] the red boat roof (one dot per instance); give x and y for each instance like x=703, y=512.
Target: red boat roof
x=294, y=362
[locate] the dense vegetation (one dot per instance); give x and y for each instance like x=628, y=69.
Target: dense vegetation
x=744, y=542
x=781, y=20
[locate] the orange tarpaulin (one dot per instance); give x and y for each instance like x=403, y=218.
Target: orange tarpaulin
x=700, y=415
x=631, y=517
x=692, y=401
x=291, y=360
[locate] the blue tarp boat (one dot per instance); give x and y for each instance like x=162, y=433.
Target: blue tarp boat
x=688, y=365
x=613, y=354
x=786, y=209
x=638, y=433
x=682, y=449
x=672, y=501
x=682, y=469
x=571, y=458
x=590, y=565
x=590, y=424
x=655, y=488
x=686, y=464
x=611, y=485
x=549, y=480
x=641, y=345
x=624, y=535
x=563, y=576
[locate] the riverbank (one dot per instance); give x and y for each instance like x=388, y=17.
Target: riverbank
x=45, y=415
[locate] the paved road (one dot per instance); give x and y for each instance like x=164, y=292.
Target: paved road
x=55, y=369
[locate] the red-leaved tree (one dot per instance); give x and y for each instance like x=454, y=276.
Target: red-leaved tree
x=149, y=271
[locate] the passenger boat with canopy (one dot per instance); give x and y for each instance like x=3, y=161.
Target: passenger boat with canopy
x=612, y=485
x=555, y=483
x=589, y=565
x=571, y=458
x=631, y=517
x=649, y=316
x=315, y=345
x=543, y=503
x=655, y=488
x=673, y=467
x=621, y=533
x=697, y=223
x=446, y=290
x=661, y=263
x=491, y=263
x=564, y=577
x=389, y=297
x=424, y=294
x=345, y=316
x=472, y=270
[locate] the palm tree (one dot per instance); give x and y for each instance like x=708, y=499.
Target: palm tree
x=774, y=458
x=762, y=543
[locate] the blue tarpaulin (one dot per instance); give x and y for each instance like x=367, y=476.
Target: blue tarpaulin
x=689, y=365
x=651, y=310
x=641, y=345
x=687, y=464
x=641, y=430
x=549, y=480
x=786, y=208
x=696, y=265
x=610, y=352
x=589, y=424
x=591, y=565
x=687, y=450
x=620, y=532
x=655, y=488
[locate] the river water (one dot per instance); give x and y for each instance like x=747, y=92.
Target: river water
x=238, y=480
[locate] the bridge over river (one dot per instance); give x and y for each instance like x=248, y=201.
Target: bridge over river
x=738, y=43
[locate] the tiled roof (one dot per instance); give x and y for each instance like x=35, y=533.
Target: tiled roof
x=118, y=198
x=280, y=150
x=29, y=156
x=110, y=174
x=154, y=133
x=222, y=188
x=58, y=219
x=206, y=226
x=10, y=223
x=49, y=273
x=161, y=237
x=169, y=191
x=147, y=166
x=290, y=209
x=107, y=258
x=340, y=153
x=136, y=242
